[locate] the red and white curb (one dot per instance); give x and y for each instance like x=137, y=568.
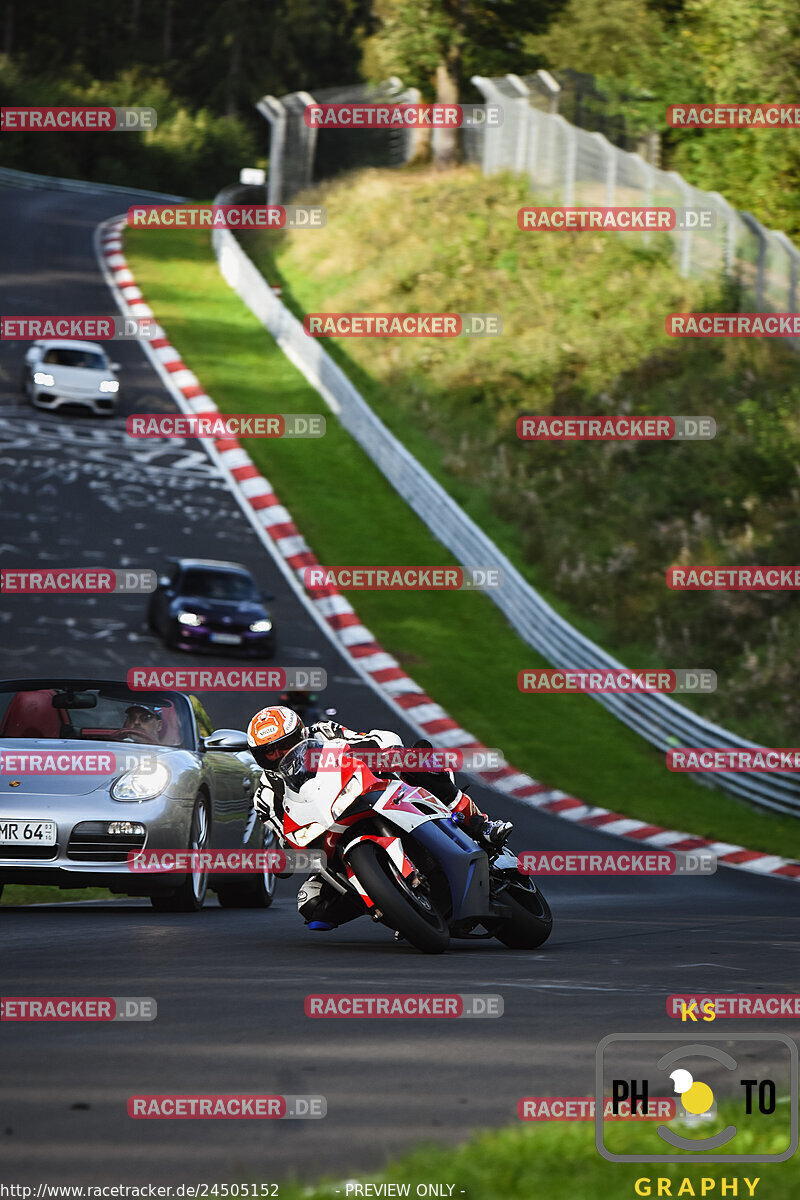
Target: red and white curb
x=355, y=640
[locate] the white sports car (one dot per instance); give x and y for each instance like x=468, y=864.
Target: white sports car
x=60, y=374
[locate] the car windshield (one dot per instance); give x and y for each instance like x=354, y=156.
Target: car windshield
x=89, y=360
x=218, y=585
x=94, y=713
x=300, y=763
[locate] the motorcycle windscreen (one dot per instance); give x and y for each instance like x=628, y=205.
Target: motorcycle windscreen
x=300, y=764
x=465, y=865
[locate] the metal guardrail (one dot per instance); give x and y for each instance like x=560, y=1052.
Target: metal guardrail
x=657, y=718
x=25, y=179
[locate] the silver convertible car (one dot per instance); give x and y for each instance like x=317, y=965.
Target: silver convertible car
x=91, y=771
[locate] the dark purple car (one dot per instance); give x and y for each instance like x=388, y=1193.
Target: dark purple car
x=201, y=604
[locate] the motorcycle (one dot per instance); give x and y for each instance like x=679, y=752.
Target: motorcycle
x=397, y=854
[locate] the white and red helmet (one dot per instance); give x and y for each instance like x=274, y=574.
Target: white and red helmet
x=272, y=733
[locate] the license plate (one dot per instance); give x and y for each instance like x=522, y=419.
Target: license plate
x=227, y=639
x=16, y=832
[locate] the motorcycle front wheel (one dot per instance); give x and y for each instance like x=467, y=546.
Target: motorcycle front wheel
x=408, y=911
x=530, y=923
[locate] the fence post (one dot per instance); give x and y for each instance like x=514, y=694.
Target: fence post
x=756, y=228
x=611, y=167
x=793, y=256
x=552, y=88
x=729, y=244
x=523, y=107
x=685, y=254
x=487, y=90
x=275, y=113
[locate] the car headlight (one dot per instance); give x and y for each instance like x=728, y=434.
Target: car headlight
x=261, y=626
x=43, y=379
x=109, y=385
x=189, y=618
x=346, y=796
x=139, y=784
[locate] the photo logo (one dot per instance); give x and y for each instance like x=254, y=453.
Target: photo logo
x=733, y=116
x=413, y=325
x=733, y=579
x=78, y=1008
x=233, y=679
x=702, y=1074
x=226, y=1108
x=616, y=862
x=226, y=216
x=712, y=758
x=747, y=1005
x=620, y=219
x=403, y=578
x=401, y=116
x=225, y=425
x=68, y=120
x=733, y=325
x=417, y=1005
x=615, y=429
x=74, y=581
x=616, y=679
x=83, y=329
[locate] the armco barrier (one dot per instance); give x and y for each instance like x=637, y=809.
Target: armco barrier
x=659, y=719
x=335, y=616
x=24, y=179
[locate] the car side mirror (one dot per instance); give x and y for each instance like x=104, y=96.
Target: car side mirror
x=267, y=596
x=115, y=366
x=232, y=740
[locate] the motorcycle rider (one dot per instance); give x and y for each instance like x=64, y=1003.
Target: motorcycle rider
x=276, y=730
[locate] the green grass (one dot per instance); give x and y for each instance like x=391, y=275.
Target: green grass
x=593, y=525
x=34, y=893
x=559, y=1161
x=456, y=645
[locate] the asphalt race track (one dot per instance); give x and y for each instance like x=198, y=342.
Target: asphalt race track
x=230, y=985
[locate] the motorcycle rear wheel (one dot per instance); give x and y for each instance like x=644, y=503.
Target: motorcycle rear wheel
x=424, y=927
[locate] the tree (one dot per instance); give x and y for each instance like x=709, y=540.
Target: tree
x=437, y=45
